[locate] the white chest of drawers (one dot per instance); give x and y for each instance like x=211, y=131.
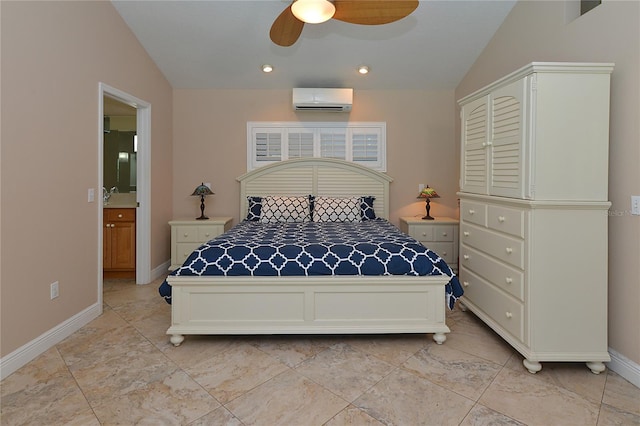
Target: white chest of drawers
x=188, y=235
x=439, y=235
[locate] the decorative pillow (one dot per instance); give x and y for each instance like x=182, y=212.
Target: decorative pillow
x=285, y=209
x=254, y=208
x=330, y=209
x=366, y=206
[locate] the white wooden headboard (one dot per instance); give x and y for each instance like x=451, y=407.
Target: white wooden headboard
x=316, y=176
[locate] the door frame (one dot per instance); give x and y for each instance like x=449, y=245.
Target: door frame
x=143, y=181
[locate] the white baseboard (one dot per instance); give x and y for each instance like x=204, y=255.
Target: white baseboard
x=161, y=270
x=624, y=367
x=26, y=353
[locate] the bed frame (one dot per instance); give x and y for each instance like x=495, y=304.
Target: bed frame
x=315, y=304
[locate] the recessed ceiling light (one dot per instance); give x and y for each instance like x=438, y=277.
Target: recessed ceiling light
x=363, y=69
x=267, y=68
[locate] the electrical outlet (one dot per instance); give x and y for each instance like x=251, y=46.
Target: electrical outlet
x=54, y=290
x=635, y=205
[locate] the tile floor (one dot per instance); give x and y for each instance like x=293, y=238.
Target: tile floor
x=121, y=370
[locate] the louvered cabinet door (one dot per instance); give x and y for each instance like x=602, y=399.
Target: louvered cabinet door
x=474, y=146
x=506, y=139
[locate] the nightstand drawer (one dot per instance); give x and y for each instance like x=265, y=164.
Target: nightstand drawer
x=444, y=250
x=506, y=219
x=509, y=279
x=187, y=234
x=183, y=250
x=506, y=311
x=421, y=233
x=443, y=233
x=206, y=233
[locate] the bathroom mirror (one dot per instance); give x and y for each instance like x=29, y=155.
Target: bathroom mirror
x=120, y=150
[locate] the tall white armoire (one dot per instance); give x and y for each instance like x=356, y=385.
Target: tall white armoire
x=534, y=210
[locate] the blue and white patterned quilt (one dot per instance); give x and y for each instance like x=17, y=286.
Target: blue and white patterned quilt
x=371, y=247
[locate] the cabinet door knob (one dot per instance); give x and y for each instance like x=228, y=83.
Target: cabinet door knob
x=465, y=283
x=509, y=250
x=501, y=218
x=509, y=280
x=120, y=215
x=508, y=314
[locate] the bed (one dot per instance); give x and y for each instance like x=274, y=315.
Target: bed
x=341, y=301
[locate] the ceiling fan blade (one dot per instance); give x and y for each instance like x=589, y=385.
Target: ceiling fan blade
x=286, y=28
x=373, y=12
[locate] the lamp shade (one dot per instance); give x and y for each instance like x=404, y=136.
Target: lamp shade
x=313, y=11
x=428, y=193
x=202, y=189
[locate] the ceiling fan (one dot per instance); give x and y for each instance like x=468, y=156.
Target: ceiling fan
x=287, y=27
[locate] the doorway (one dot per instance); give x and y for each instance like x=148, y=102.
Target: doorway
x=110, y=98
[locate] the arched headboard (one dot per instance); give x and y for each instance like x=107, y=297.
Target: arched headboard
x=316, y=176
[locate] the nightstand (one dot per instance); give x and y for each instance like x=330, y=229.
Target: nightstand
x=188, y=235
x=439, y=235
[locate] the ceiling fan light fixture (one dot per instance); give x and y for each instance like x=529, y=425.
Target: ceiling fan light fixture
x=363, y=69
x=313, y=11
x=267, y=68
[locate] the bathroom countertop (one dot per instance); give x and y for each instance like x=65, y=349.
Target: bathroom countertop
x=121, y=201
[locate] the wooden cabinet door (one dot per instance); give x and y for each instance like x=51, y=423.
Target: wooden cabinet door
x=123, y=245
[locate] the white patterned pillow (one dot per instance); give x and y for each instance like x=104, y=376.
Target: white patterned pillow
x=330, y=209
x=285, y=209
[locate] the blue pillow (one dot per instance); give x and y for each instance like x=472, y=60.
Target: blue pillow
x=254, y=209
x=366, y=208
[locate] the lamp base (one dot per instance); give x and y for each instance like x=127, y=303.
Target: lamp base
x=428, y=218
x=206, y=218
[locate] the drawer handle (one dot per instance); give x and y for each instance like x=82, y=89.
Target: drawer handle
x=424, y=234
x=509, y=250
x=465, y=233
x=501, y=218
x=185, y=235
x=444, y=234
x=465, y=257
x=444, y=253
x=509, y=280
x=471, y=211
x=206, y=235
x=465, y=283
x=508, y=314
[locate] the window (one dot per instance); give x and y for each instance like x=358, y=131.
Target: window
x=363, y=143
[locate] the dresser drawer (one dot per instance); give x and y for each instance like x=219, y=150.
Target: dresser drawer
x=503, y=309
x=507, y=249
x=473, y=212
x=444, y=250
x=509, y=279
x=506, y=219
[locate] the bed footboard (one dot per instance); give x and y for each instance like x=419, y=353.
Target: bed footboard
x=307, y=305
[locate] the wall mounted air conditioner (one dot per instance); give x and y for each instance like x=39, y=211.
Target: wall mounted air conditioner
x=328, y=100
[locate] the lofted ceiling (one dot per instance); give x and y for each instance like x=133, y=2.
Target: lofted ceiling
x=223, y=44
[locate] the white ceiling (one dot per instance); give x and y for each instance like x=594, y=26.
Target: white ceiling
x=223, y=44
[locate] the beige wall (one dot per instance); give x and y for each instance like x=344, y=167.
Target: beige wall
x=538, y=31
x=210, y=130
x=54, y=54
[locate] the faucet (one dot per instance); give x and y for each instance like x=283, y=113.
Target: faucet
x=107, y=194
